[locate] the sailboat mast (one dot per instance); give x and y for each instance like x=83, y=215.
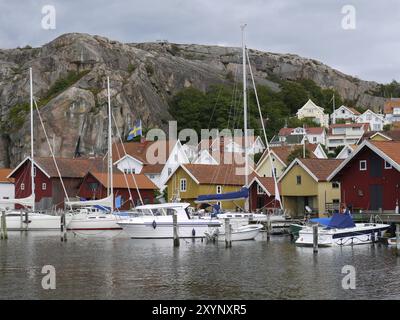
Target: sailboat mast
x=110, y=164
x=32, y=161
x=246, y=163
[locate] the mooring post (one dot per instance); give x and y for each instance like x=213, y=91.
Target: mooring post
x=26, y=220
x=21, y=220
x=63, y=227
x=1, y=228
x=4, y=224
x=269, y=227
x=176, y=232
x=228, y=233
x=315, y=237
x=397, y=238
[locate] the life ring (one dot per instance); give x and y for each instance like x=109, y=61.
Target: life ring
x=154, y=224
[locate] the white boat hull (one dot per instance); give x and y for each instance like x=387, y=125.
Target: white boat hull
x=165, y=230
x=249, y=232
x=36, y=222
x=360, y=234
x=92, y=222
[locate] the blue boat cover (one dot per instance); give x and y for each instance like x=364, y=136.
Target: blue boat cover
x=322, y=221
x=341, y=221
x=241, y=194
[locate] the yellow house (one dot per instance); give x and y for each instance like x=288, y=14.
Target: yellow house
x=189, y=181
x=278, y=156
x=304, y=187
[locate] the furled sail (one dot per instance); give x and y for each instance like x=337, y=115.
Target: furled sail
x=228, y=196
x=105, y=202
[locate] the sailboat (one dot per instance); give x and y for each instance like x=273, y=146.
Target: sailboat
x=91, y=215
x=29, y=220
x=240, y=219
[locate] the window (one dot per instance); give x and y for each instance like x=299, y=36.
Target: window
x=219, y=189
x=363, y=165
x=335, y=185
x=169, y=171
x=260, y=190
x=22, y=186
x=388, y=165
x=44, y=186
x=314, y=139
x=182, y=184
x=298, y=179
x=34, y=171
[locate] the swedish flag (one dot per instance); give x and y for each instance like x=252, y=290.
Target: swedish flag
x=136, y=130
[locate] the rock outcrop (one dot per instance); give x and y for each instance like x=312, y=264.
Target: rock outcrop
x=143, y=77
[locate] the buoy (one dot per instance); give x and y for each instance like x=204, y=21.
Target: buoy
x=154, y=224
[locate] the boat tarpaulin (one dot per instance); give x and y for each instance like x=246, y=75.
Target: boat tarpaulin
x=322, y=221
x=228, y=196
x=341, y=221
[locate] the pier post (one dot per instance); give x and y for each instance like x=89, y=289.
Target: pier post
x=21, y=220
x=63, y=227
x=228, y=233
x=269, y=227
x=4, y=224
x=176, y=233
x=26, y=220
x=397, y=238
x=315, y=238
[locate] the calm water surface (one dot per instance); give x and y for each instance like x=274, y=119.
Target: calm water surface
x=117, y=267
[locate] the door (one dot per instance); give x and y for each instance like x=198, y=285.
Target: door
x=376, y=164
x=376, y=196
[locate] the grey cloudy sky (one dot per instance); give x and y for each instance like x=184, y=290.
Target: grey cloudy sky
x=310, y=28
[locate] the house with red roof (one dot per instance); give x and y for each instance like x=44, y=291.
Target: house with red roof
x=262, y=193
x=345, y=114
x=7, y=188
x=345, y=134
x=370, y=176
x=293, y=136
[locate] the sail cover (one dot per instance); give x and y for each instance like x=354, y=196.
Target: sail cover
x=229, y=196
x=341, y=221
x=105, y=202
x=27, y=202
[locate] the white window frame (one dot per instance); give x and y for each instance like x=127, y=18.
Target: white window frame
x=388, y=165
x=22, y=186
x=44, y=186
x=360, y=165
x=182, y=185
x=219, y=189
x=260, y=190
x=34, y=171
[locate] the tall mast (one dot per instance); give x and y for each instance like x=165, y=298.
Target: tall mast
x=246, y=160
x=32, y=161
x=110, y=169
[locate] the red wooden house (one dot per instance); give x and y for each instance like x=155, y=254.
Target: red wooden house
x=49, y=193
x=262, y=193
x=370, y=176
x=94, y=186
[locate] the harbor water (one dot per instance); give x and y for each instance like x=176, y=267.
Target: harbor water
x=113, y=266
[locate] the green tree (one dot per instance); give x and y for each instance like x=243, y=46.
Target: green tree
x=298, y=153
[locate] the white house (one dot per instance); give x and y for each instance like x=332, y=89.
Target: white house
x=156, y=159
x=392, y=110
x=344, y=113
x=311, y=111
x=345, y=134
x=375, y=121
x=7, y=188
x=314, y=135
x=204, y=157
x=346, y=151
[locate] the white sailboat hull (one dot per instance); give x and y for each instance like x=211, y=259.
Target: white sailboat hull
x=360, y=234
x=159, y=228
x=36, y=222
x=88, y=222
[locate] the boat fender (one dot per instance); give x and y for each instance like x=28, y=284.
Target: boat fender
x=154, y=224
x=193, y=232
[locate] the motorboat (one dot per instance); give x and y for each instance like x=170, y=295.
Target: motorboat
x=245, y=232
x=155, y=221
x=341, y=231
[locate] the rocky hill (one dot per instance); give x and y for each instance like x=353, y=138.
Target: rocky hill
x=69, y=84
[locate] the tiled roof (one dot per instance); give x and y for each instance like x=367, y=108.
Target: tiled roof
x=152, y=168
x=224, y=174
x=390, y=148
x=321, y=168
x=4, y=172
x=392, y=134
x=390, y=104
x=267, y=182
x=354, y=111
x=119, y=182
x=283, y=152
x=71, y=168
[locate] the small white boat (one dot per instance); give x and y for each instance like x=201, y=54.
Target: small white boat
x=155, y=221
x=342, y=231
x=32, y=221
x=246, y=232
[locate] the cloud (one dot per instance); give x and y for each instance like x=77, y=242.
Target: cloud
x=310, y=28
